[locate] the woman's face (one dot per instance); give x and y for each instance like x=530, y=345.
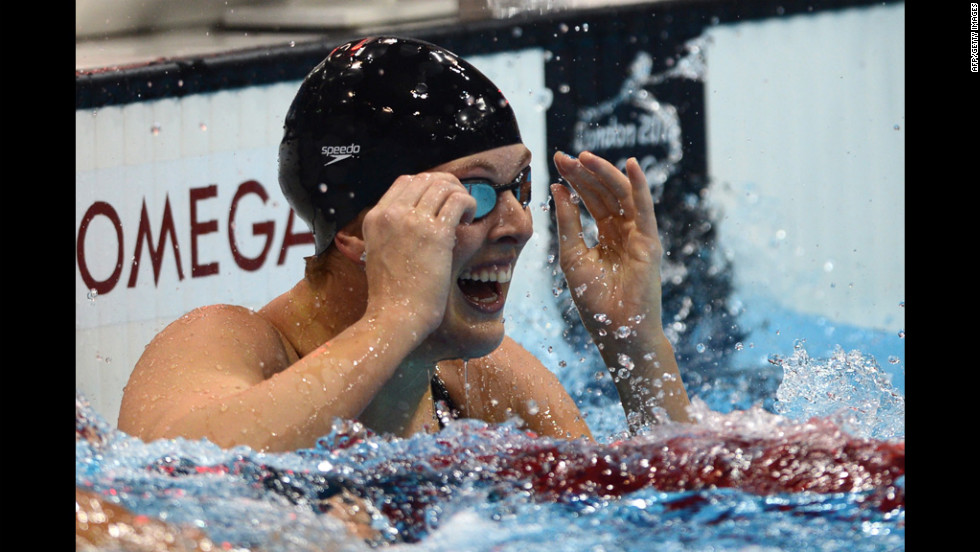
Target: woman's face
x=485, y=254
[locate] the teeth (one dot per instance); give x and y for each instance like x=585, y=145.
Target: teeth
x=501, y=274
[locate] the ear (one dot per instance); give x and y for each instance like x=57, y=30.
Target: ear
x=350, y=246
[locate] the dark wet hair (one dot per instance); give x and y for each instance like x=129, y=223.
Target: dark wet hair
x=378, y=108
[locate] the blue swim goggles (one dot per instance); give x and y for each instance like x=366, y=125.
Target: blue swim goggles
x=485, y=192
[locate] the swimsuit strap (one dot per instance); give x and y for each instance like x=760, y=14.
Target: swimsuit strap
x=446, y=409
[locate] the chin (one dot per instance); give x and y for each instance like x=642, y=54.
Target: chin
x=470, y=333
x=486, y=345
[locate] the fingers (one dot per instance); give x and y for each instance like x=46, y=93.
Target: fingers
x=571, y=241
x=443, y=197
x=604, y=189
x=642, y=197
x=433, y=195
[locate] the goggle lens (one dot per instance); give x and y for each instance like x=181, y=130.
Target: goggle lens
x=485, y=192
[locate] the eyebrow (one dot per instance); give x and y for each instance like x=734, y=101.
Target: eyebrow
x=492, y=167
x=516, y=181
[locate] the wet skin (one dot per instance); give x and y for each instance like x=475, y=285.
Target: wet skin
x=397, y=298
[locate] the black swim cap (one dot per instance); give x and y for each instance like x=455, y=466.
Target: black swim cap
x=375, y=109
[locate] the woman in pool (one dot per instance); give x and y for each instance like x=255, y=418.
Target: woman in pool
x=408, y=165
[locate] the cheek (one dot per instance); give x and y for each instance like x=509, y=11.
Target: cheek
x=469, y=239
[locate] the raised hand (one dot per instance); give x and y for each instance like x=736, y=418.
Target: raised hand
x=616, y=284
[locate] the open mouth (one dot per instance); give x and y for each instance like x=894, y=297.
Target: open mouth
x=483, y=287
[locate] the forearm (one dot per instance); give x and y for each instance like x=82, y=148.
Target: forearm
x=292, y=408
x=647, y=377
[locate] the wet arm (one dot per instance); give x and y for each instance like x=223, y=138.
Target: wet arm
x=225, y=374
x=617, y=282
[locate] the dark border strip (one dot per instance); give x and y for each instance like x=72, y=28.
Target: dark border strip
x=179, y=77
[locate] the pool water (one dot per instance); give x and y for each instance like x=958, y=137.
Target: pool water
x=800, y=446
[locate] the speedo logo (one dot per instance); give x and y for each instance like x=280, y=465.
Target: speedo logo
x=339, y=153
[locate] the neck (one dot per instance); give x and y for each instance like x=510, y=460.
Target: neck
x=318, y=308
x=404, y=405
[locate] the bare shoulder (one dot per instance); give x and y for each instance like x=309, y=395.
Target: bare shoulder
x=219, y=330
x=217, y=317
x=212, y=351
x=523, y=370
x=510, y=365
x=512, y=382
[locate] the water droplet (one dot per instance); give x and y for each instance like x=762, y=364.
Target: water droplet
x=155, y=129
x=421, y=91
x=92, y=295
x=700, y=347
x=323, y=188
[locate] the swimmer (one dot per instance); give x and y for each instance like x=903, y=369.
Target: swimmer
x=408, y=165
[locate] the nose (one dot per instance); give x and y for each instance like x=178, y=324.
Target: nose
x=509, y=221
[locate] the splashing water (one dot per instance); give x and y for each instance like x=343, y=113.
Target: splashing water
x=801, y=477
x=847, y=387
x=790, y=454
